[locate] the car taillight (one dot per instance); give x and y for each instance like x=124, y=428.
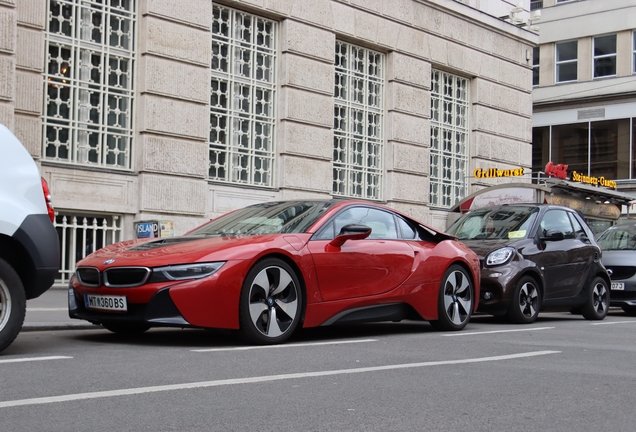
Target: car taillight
x=47, y=198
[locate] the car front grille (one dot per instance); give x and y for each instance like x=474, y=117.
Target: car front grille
x=115, y=277
x=622, y=272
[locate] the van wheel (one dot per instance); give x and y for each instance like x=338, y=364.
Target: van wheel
x=12, y=304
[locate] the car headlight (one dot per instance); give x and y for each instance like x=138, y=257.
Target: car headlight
x=184, y=271
x=499, y=256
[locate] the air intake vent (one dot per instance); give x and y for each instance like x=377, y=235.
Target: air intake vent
x=88, y=276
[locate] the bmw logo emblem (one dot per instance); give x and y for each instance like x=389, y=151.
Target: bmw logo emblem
x=109, y=261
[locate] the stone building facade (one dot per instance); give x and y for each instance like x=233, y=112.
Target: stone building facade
x=183, y=110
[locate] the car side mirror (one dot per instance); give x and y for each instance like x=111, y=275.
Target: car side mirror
x=553, y=235
x=351, y=232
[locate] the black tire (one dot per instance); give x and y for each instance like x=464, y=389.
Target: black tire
x=12, y=304
x=598, y=301
x=629, y=310
x=126, y=329
x=456, y=300
x=526, y=301
x=271, y=290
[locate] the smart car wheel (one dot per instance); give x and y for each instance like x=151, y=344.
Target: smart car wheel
x=271, y=303
x=456, y=300
x=526, y=301
x=12, y=304
x=125, y=329
x=597, y=304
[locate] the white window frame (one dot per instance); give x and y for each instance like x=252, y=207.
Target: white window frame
x=243, y=75
x=595, y=57
x=558, y=63
x=89, y=83
x=358, y=155
x=450, y=138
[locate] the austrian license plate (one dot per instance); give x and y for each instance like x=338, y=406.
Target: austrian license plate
x=620, y=286
x=106, y=302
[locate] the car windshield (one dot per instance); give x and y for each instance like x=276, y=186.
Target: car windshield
x=265, y=218
x=500, y=223
x=618, y=238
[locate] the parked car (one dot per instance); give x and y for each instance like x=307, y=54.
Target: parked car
x=619, y=257
x=29, y=248
x=269, y=268
x=535, y=257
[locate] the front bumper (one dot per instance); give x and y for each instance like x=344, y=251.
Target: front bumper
x=626, y=296
x=497, y=285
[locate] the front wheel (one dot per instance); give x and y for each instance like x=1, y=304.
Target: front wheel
x=12, y=304
x=526, y=301
x=456, y=300
x=598, y=300
x=271, y=303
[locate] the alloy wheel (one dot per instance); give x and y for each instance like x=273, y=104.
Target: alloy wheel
x=529, y=300
x=458, y=297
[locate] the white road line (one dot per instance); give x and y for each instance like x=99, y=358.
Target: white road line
x=36, y=309
x=30, y=359
x=284, y=346
x=613, y=322
x=253, y=380
x=496, y=331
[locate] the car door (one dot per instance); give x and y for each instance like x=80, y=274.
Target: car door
x=357, y=268
x=564, y=262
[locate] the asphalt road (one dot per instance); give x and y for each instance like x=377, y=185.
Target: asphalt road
x=561, y=373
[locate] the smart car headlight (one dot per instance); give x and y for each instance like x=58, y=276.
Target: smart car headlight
x=184, y=271
x=499, y=256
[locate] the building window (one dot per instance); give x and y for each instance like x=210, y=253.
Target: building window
x=604, y=56
x=82, y=235
x=535, y=66
x=88, y=96
x=449, y=139
x=566, y=61
x=243, y=82
x=358, y=131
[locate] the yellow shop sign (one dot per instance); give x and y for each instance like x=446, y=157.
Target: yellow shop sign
x=596, y=181
x=494, y=172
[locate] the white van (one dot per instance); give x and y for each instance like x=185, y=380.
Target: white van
x=29, y=246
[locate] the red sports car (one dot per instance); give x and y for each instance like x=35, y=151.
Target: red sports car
x=269, y=268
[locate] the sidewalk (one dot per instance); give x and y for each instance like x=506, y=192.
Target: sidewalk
x=50, y=312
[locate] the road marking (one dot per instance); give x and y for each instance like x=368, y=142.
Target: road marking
x=284, y=345
x=43, y=309
x=496, y=331
x=258, y=379
x=613, y=322
x=30, y=359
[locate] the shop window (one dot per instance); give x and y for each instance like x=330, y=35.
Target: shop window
x=535, y=66
x=540, y=149
x=243, y=83
x=570, y=146
x=88, y=83
x=449, y=139
x=604, y=56
x=566, y=61
x=610, y=153
x=358, y=122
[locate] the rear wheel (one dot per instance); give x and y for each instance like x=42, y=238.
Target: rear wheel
x=456, y=300
x=271, y=303
x=12, y=304
x=597, y=304
x=126, y=329
x=526, y=301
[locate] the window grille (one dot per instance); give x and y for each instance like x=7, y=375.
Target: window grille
x=566, y=61
x=88, y=95
x=82, y=235
x=358, y=122
x=243, y=82
x=449, y=139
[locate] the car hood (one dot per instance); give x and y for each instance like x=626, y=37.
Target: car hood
x=625, y=258
x=484, y=247
x=188, y=249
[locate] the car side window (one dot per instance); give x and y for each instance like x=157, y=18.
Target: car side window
x=407, y=230
x=557, y=220
x=579, y=231
x=382, y=223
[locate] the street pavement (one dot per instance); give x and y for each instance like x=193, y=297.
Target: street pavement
x=50, y=312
